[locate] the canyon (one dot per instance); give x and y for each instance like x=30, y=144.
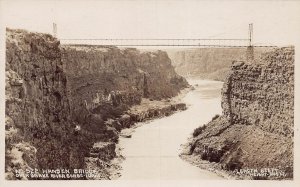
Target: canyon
x=73, y=106
x=66, y=104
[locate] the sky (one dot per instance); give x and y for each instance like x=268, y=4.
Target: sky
x=275, y=22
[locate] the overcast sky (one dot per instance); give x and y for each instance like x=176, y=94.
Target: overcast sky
x=275, y=22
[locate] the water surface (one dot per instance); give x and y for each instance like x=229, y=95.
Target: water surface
x=152, y=152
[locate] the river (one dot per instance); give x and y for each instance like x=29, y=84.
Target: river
x=152, y=152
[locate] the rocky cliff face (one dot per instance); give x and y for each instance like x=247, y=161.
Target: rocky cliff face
x=208, y=63
x=97, y=75
x=59, y=100
x=37, y=109
x=256, y=128
x=105, y=81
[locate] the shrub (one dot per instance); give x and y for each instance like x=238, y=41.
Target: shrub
x=199, y=130
x=215, y=117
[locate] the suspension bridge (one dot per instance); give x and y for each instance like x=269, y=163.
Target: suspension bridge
x=171, y=42
x=168, y=42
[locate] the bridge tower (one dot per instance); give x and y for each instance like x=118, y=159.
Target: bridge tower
x=250, y=49
x=54, y=30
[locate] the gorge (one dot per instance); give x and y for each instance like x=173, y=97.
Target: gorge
x=87, y=106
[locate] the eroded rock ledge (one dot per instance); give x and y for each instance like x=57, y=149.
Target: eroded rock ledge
x=255, y=131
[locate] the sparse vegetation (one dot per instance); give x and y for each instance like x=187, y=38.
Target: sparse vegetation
x=199, y=130
x=215, y=117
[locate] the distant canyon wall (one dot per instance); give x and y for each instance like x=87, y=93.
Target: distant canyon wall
x=208, y=63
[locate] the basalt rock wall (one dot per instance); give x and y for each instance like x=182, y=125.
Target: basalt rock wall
x=262, y=93
x=257, y=125
x=37, y=108
x=108, y=80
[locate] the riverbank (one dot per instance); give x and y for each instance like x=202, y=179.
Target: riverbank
x=136, y=116
x=195, y=160
x=153, y=109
